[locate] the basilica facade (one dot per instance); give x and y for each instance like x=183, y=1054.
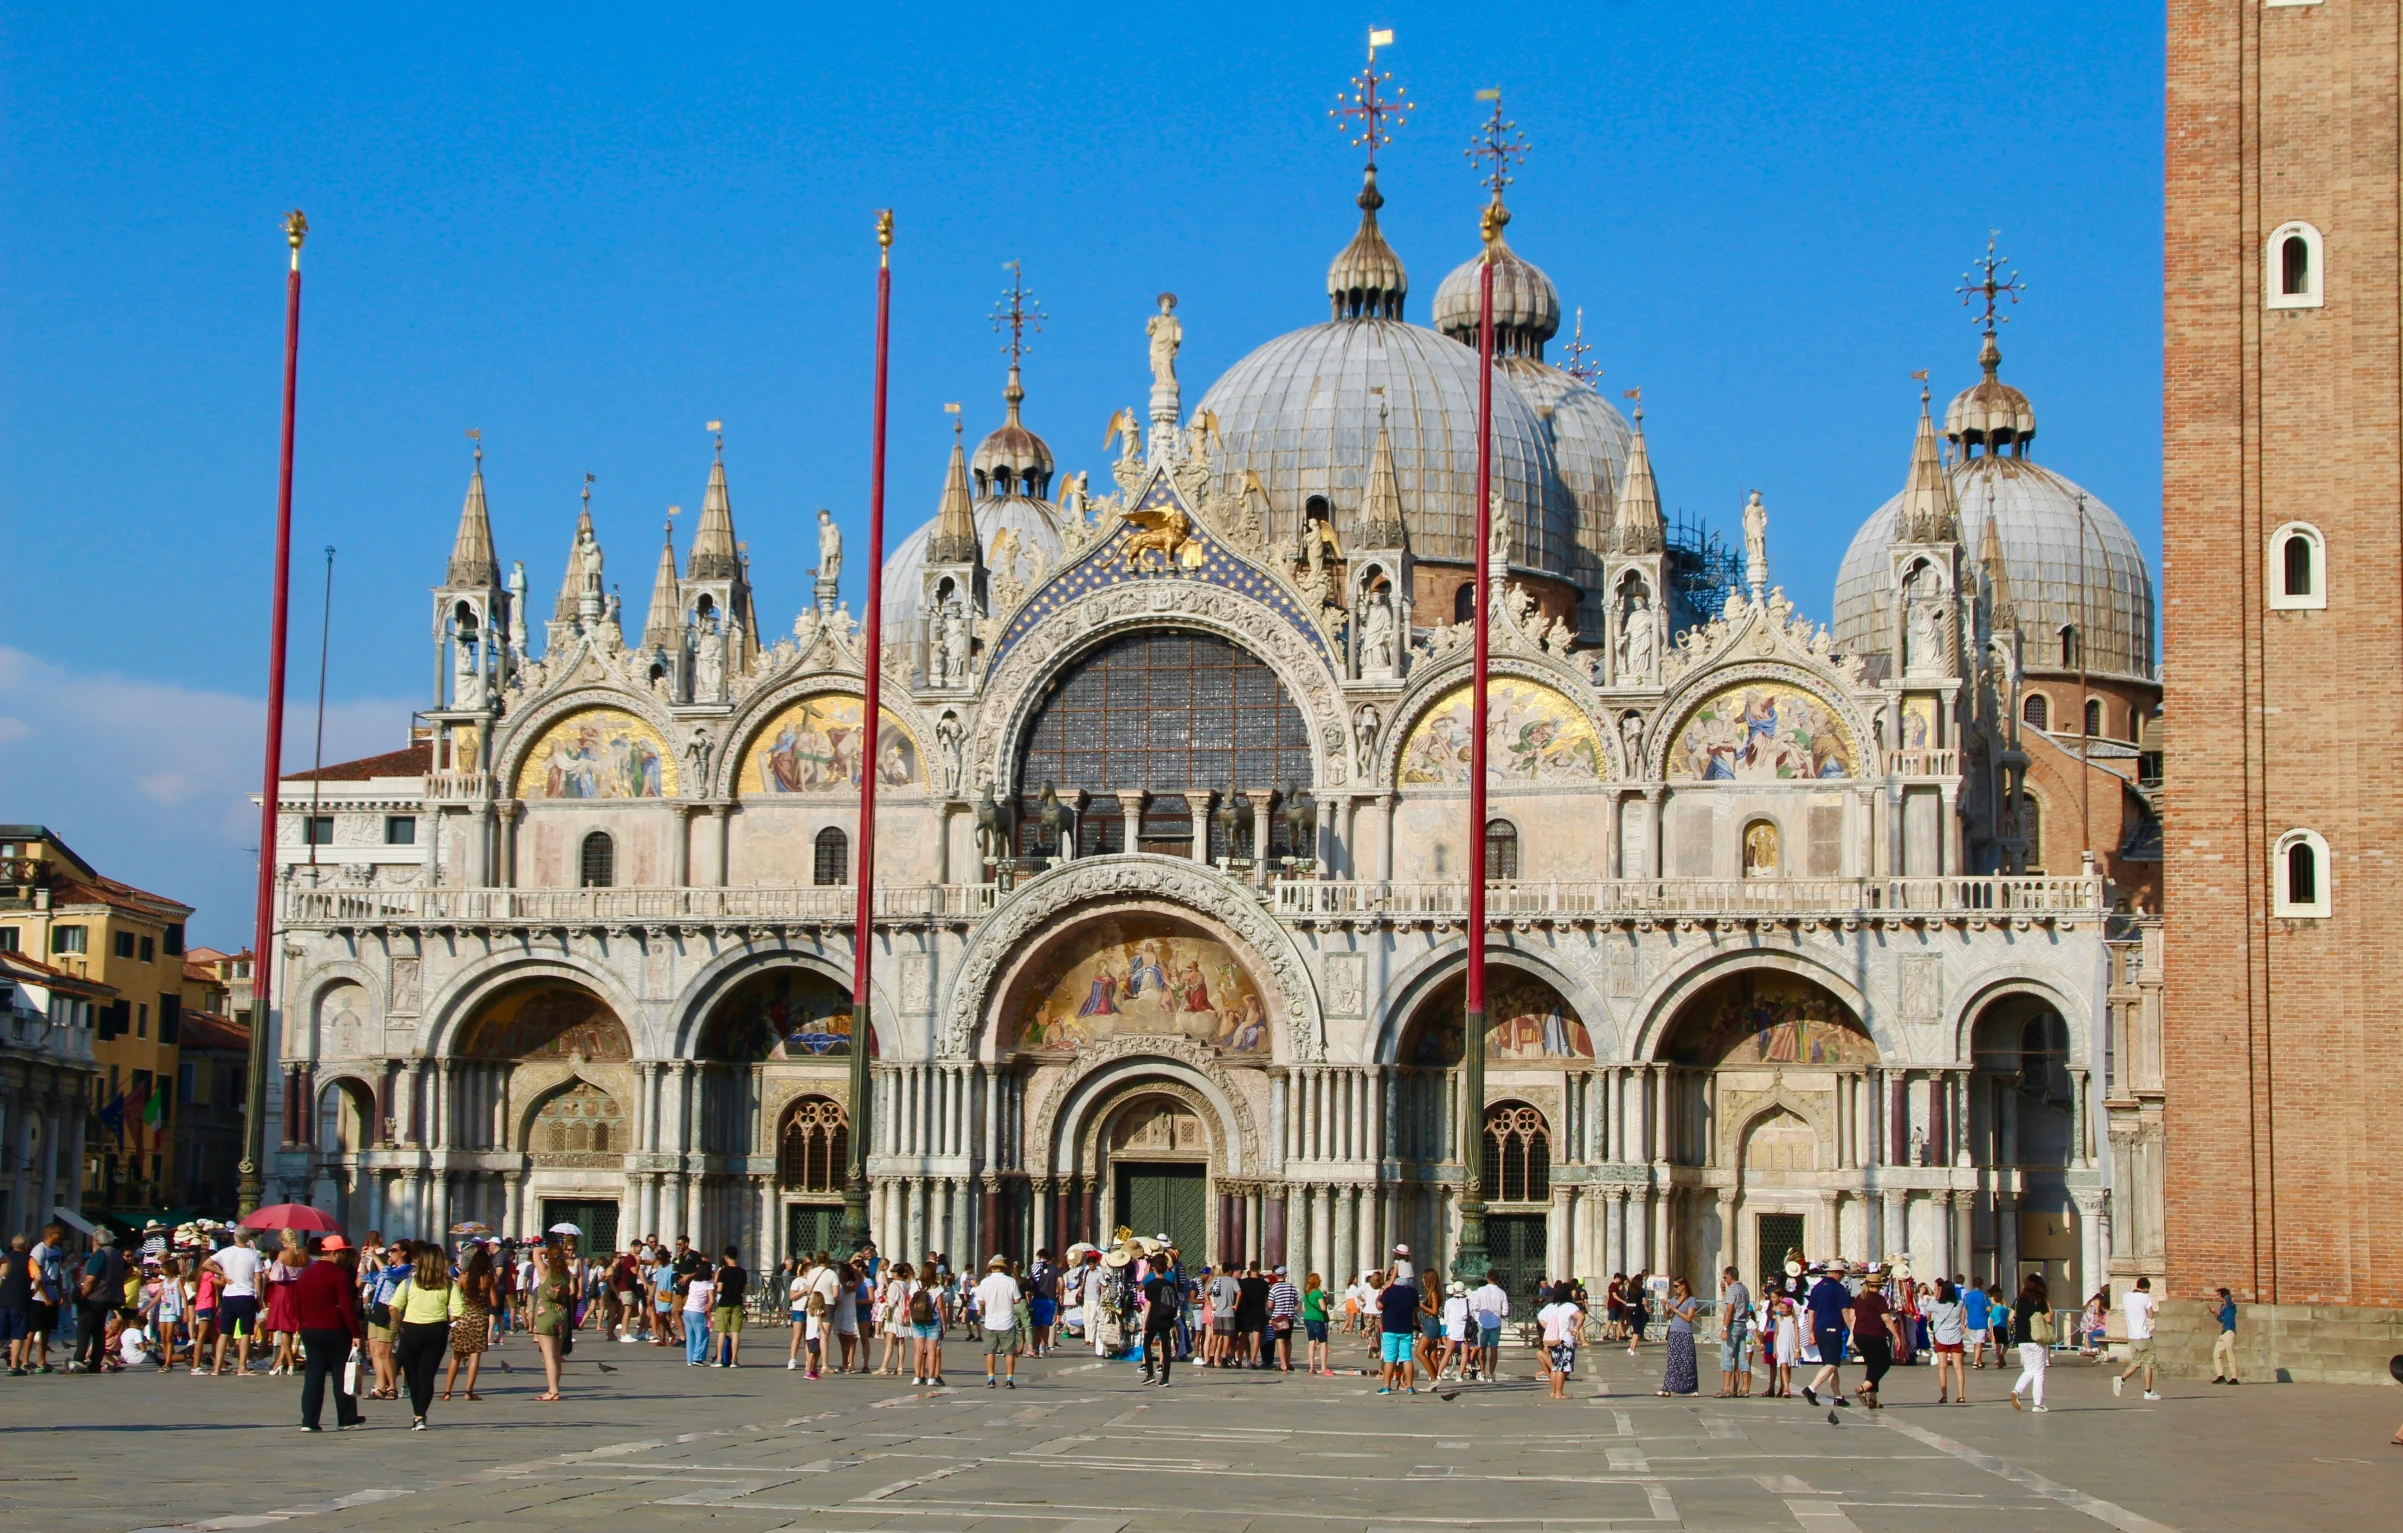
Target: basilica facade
x=1173, y=827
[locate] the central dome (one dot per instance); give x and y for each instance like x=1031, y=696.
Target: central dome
x=1302, y=413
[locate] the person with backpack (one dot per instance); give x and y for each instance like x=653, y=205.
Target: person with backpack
x=926, y=1333
x=1043, y=1302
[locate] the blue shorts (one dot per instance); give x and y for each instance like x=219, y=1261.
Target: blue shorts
x=1488, y=1335
x=15, y=1324
x=1043, y=1311
x=1396, y=1345
x=1316, y=1329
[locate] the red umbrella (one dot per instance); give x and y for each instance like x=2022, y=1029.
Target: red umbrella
x=291, y=1216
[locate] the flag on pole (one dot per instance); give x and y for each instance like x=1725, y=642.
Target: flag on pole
x=112, y=1115
x=1380, y=37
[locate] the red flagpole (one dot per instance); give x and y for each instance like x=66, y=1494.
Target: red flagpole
x=1469, y=1263
x=863, y=932
x=262, y=968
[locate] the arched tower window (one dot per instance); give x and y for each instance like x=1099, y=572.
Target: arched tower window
x=1501, y=849
x=2031, y=830
x=1518, y=1154
x=2037, y=711
x=2299, y=875
x=1464, y=602
x=1170, y=713
x=2298, y=567
x=2094, y=717
x=814, y=1150
x=831, y=862
x=2294, y=275
x=596, y=864
x=2069, y=647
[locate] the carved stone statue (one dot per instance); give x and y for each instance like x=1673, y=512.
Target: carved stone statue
x=1756, y=542
x=958, y=645
x=830, y=547
x=1926, y=637
x=589, y=601
x=1631, y=742
x=709, y=664
x=517, y=607
x=951, y=739
x=1376, y=633
x=1166, y=336
x=467, y=677
x=1364, y=740
x=1638, y=642
x=696, y=757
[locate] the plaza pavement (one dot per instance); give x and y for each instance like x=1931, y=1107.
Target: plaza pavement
x=1082, y=1447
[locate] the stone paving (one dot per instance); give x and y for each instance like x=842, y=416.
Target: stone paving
x=1082, y=1447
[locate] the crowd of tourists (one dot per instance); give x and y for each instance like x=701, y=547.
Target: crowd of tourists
x=377, y=1320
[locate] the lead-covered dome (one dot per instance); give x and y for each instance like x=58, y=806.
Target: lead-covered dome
x=1526, y=304
x=1302, y=412
x=2068, y=561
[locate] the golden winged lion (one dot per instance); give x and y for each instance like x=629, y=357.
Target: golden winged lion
x=1164, y=531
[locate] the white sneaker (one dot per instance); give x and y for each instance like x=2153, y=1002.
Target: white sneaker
x=2149, y=1395
x=790, y=1365
x=2040, y=1408
x=2117, y=1384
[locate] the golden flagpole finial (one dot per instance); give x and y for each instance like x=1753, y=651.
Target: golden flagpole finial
x=884, y=236
x=296, y=229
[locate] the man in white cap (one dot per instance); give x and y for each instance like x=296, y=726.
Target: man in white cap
x=1403, y=1271
x=997, y=1302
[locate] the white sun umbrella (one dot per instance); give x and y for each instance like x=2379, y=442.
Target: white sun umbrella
x=565, y=1228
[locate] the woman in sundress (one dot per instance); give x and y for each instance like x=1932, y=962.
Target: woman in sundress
x=1680, y=1377
x=554, y=1312
x=471, y=1333
x=283, y=1318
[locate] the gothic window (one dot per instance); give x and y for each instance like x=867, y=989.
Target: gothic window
x=582, y=1120
x=2299, y=875
x=1501, y=849
x=2094, y=717
x=2037, y=710
x=831, y=860
x=1167, y=712
x=1518, y=1154
x=2069, y=647
x=2293, y=279
x=815, y=1149
x=2298, y=568
x=2031, y=830
x=597, y=866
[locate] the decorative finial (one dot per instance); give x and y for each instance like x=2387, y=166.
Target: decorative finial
x=588, y=494
x=718, y=430
x=1367, y=102
x=884, y=236
x=953, y=410
x=1970, y=290
x=1018, y=310
x=1499, y=142
x=1921, y=375
x=1583, y=371
x=477, y=437
x=296, y=229
x=1637, y=394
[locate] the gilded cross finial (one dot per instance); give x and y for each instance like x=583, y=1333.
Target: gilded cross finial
x=1973, y=286
x=1020, y=312
x=884, y=236
x=1377, y=113
x=1580, y=369
x=717, y=429
x=477, y=437
x=1498, y=142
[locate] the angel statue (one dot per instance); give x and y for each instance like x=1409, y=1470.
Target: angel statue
x=1124, y=424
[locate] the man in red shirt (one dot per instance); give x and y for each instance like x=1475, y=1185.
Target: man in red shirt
x=325, y=1304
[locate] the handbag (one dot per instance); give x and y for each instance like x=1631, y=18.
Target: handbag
x=2040, y=1327
x=350, y=1371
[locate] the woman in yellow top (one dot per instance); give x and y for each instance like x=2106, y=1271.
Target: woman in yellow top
x=424, y=1305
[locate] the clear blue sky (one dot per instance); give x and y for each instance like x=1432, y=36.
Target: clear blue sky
x=588, y=231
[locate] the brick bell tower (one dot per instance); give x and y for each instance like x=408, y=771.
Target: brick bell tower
x=2283, y=523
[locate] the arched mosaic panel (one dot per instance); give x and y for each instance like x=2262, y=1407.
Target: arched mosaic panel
x=1532, y=735
x=545, y=1019
x=1139, y=976
x=598, y=753
x=781, y=1014
x=582, y=1120
x=813, y=746
x=1762, y=732
x=1527, y=1022
x=1768, y=1017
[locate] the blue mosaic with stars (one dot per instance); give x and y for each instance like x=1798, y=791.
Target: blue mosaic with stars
x=1104, y=565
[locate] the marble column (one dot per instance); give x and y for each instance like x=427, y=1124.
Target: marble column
x=1896, y=1237
x=1347, y=1234
x=1959, y=1231
x=1614, y=1229
x=1199, y=805
x=1130, y=817
x=1730, y=1248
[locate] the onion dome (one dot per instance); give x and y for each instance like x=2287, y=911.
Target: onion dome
x=2067, y=562
x=1012, y=460
x=1303, y=411
x=1366, y=280
x=1526, y=304
x=1990, y=413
